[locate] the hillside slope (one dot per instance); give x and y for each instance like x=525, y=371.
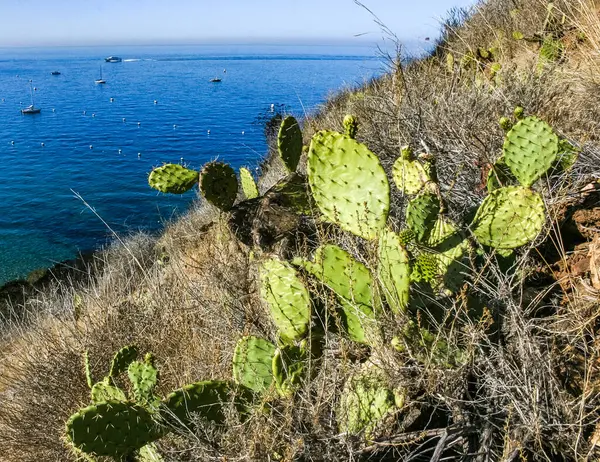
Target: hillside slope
x=495, y=357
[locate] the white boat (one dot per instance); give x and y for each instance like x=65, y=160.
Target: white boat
x=100, y=80
x=113, y=59
x=31, y=109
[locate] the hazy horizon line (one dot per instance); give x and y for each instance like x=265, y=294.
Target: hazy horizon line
x=288, y=41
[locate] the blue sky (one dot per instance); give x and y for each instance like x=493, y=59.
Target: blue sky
x=91, y=22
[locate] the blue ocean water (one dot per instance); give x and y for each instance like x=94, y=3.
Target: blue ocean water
x=100, y=141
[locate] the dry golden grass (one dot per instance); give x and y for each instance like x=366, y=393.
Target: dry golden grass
x=530, y=388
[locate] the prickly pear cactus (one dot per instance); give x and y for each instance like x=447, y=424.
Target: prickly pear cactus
x=409, y=174
x=86, y=369
x=219, y=184
x=122, y=359
x=103, y=391
x=348, y=184
x=205, y=399
x=173, y=178
x=111, y=429
x=530, y=149
x=421, y=215
x=442, y=229
x=350, y=126
x=499, y=175
x=287, y=297
x=289, y=143
x=253, y=363
x=365, y=400
x=509, y=217
x=394, y=270
x=352, y=283
x=143, y=377
x=248, y=184
x=289, y=367
x=406, y=237
x=425, y=267
x=505, y=123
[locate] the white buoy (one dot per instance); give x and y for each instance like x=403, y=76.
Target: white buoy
x=53, y=110
x=181, y=160
x=208, y=132
x=139, y=123
x=12, y=142
x=124, y=119
x=155, y=102
x=93, y=115
x=243, y=132
x=91, y=146
x=139, y=154
x=272, y=107
x=174, y=126
x=112, y=100
x=120, y=151
x=83, y=112
x=43, y=144
x=2, y=99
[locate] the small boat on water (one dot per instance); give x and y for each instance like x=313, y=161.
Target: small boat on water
x=216, y=79
x=31, y=109
x=100, y=80
x=55, y=73
x=113, y=59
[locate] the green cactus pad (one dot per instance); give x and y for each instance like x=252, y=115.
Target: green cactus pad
x=453, y=262
x=122, y=359
x=86, y=370
x=353, y=284
x=394, y=270
x=530, y=148
x=289, y=367
x=204, y=398
x=409, y=175
x=289, y=143
x=252, y=363
x=406, y=237
x=287, y=297
x=143, y=377
x=111, y=429
x=442, y=229
x=173, y=178
x=421, y=215
x=248, y=184
x=350, y=126
x=219, y=184
x=348, y=184
x=500, y=175
x=365, y=400
x=509, y=217
x=103, y=391
x=425, y=267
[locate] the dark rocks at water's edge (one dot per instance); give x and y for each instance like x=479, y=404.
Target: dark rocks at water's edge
x=13, y=294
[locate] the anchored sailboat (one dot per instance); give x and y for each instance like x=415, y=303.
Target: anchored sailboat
x=100, y=80
x=31, y=109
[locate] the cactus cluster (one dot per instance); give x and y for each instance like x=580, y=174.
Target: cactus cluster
x=120, y=426
x=350, y=189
